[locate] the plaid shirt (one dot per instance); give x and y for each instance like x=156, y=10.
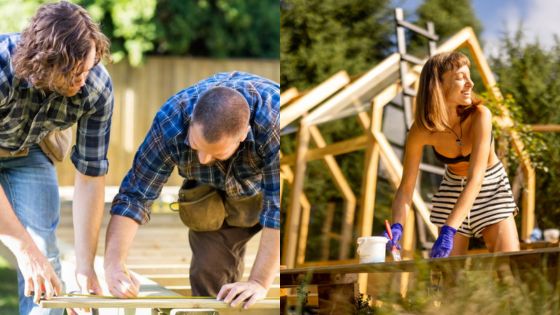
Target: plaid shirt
x=253, y=168
x=27, y=114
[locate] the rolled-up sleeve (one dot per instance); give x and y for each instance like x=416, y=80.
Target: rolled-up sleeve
x=89, y=155
x=270, y=216
x=150, y=170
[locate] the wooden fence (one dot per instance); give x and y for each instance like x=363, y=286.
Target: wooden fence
x=140, y=92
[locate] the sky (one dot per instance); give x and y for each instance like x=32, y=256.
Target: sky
x=540, y=19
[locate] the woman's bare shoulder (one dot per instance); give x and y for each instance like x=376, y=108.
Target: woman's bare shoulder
x=419, y=134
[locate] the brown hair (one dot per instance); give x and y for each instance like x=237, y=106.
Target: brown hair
x=55, y=43
x=220, y=112
x=431, y=109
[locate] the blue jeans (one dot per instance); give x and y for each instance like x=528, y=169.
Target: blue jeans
x=31, y=186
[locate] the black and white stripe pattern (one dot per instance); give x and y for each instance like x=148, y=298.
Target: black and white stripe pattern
x=493, y=204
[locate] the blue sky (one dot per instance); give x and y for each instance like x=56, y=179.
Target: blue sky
x=540, y=18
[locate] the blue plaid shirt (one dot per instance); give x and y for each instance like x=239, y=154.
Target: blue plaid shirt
x=27, y=114
x=253, y=168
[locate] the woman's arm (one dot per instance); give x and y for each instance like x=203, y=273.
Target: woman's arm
x=481, y=136
x=412, y=157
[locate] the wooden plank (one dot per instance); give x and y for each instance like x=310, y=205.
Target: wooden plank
x=170, y=303
x=545, y=128
x=314, y=97
x=304, y=220
x=294, y=210
x=342, y=147
x=519, y=259
x=345, y=189
x=288, y=95
x=346, y=97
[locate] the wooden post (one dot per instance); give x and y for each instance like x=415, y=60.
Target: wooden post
x=289, y=246
x=344, y=187
x=304, y=220
x=326, y=231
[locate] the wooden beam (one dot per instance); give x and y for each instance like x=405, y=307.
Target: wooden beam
x=345, y=189
x=545, y=259
x=288, y=95
x=314, y=97
x=337, y=148
x=546, y=128
x=304, y=220
x=169, y=303
x=294, y=210
x=387, y=68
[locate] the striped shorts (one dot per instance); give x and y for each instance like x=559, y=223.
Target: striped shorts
x=493, y=204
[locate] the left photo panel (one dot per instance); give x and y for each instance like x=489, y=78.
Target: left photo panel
x=139, y=157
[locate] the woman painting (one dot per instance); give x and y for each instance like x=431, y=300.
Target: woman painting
x=474, y=198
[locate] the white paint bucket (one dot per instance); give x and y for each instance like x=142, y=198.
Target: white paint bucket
x=371, y=249
x=551, y=235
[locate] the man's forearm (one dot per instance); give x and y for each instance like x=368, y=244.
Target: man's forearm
x=120, y=234
x=267, y=262
x=87, y=214
x=12, y=232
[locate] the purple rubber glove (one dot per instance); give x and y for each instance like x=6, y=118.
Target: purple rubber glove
x=396, y=229
x=444, y=243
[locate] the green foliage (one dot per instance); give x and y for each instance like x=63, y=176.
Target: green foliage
x=219, y=28
x=14, y=15
x=523, y=290
x=128, y=23
x=528, y=76
x=212, y=28
x=448, y=17
x=8, y=289
x=321, y=37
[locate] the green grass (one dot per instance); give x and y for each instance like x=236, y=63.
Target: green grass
x=8, y=289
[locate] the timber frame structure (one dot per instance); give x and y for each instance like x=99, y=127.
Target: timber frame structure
x=366, y=98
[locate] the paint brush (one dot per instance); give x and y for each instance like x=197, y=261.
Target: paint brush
x=395, y=252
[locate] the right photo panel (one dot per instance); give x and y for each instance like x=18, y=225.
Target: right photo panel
x=419, y=157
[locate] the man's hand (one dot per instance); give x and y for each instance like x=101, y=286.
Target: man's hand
x=238, y=292
x=38, y=275
x=89, y=284
x=121, y=283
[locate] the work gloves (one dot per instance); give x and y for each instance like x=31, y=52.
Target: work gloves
x=397, y=231
x=444, y=243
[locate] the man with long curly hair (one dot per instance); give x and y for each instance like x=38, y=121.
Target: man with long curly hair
x=50, y=79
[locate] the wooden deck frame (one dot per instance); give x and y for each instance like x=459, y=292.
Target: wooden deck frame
x=373, y=81
x=162, y=305
x=511, y=266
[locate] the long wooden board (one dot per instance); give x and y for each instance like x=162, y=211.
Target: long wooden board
x=171, y=303
x=546, y=258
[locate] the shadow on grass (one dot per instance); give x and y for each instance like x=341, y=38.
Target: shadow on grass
x=8, y=291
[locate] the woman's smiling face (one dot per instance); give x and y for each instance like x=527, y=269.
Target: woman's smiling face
x=457, y=85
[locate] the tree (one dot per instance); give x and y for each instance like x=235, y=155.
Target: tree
x=529, y=74
x=448, y=17
x=321, y=37
x=213, y=28
x=217, y=28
